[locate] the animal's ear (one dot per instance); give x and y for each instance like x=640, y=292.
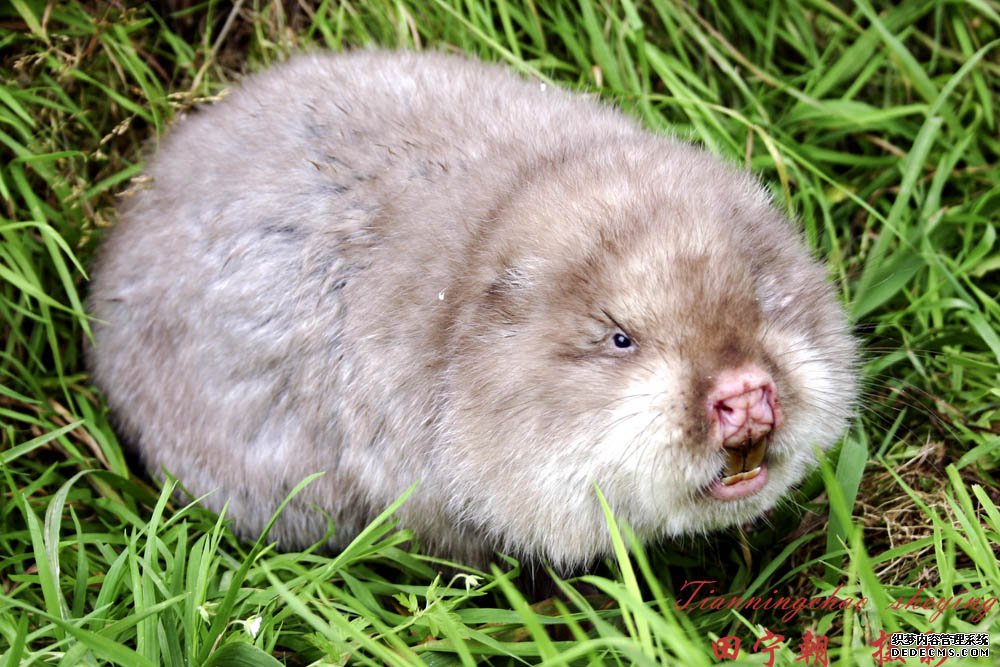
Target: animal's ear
x=504, y=296
x=511, y=278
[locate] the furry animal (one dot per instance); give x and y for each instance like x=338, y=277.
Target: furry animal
x=397, y=267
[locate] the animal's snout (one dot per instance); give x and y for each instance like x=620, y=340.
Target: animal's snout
x=743, y=407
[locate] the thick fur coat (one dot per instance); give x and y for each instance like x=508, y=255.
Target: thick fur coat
x=401, y=267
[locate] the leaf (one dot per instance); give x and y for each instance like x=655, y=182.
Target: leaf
x=240, y=654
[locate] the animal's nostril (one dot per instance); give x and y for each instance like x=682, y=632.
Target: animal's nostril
x=743, y=406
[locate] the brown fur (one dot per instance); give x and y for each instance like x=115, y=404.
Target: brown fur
x=398, y=268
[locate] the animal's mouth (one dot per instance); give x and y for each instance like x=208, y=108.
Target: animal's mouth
x=744, y=473
x=744, y=411
x=743, y=463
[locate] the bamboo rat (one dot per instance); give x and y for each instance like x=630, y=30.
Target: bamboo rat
x=395, y=267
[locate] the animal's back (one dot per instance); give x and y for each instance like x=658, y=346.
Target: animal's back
x=253, y=276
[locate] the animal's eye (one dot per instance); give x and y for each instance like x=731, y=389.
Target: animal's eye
x=621, y=341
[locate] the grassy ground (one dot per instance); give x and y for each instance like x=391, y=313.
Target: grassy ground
x=876, y=126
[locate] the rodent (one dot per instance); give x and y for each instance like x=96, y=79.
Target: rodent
x=400, y=267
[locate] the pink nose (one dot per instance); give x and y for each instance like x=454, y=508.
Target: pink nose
x=743, y=406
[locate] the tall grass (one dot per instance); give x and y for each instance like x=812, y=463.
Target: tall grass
x=875, y=125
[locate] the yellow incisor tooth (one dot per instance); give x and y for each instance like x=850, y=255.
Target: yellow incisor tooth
x=755, y=456
x=741, y=477
x=745, y=459
x=734, y=462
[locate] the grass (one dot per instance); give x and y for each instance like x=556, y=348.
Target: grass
x=876, y=125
